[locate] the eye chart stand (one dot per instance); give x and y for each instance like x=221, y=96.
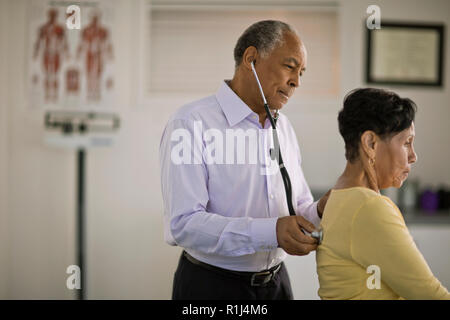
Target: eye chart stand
x=80, y=131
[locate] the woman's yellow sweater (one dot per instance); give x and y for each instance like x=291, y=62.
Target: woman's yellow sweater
x=364, y=239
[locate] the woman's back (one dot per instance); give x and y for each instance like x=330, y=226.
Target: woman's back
x=363, y=228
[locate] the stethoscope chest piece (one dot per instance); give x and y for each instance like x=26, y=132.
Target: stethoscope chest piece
x=318, y=235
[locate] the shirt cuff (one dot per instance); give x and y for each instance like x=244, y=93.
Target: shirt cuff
x=310, y=213
x=314, y=215
x=264, y=234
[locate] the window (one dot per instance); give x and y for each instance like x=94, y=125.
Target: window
x=190, y=48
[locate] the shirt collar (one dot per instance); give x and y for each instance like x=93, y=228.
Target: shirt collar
x=232, y=105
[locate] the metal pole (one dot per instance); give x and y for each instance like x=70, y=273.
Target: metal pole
x=81, y=155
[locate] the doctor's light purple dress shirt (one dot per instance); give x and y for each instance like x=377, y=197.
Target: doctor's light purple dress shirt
x=221, y=209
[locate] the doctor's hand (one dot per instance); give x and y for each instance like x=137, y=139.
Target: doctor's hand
x=291, y=238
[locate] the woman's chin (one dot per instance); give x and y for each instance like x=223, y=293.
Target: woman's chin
x=395, y=183
x=398, y=183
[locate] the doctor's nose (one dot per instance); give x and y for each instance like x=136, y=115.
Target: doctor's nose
x=294, y=82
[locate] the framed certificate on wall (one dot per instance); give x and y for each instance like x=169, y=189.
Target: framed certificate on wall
x=405, y=54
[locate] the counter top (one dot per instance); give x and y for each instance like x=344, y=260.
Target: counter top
x=419, y=216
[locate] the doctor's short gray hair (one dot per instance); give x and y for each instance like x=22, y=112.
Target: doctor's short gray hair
x=264, y=35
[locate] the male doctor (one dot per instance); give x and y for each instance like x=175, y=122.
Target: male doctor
x=232, y=219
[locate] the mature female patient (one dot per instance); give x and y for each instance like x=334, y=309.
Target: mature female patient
x=364, y=230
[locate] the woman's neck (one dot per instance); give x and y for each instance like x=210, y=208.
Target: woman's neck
x=354, y=175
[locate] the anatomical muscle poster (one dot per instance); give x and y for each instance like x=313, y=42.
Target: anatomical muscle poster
x=71, y=54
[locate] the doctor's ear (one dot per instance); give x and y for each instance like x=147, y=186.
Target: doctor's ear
x=250, y=55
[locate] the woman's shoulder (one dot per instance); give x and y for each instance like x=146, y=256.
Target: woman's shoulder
x=363, y=195
x=365, y=202
x=376, y=208
x=360, y=195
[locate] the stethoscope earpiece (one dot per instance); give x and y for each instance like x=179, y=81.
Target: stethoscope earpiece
x=259, y=84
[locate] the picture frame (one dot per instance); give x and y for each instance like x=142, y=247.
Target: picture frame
x=408, y=54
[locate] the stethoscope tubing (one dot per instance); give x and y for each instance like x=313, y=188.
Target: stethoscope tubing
x=317, y=234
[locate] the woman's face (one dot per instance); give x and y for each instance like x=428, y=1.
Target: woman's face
x=394, y=157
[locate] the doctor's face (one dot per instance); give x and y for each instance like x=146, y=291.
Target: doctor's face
x=281, y=70
x=394, y=158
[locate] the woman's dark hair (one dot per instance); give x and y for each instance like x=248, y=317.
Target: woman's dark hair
x=380, y=111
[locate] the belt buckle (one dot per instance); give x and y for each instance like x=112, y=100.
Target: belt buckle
x=266, y=279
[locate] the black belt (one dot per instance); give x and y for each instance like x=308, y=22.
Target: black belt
x=256, y=279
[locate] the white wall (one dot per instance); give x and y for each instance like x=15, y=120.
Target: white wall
x=127, y=257
x=40, y=188
x=432, y=120
x=432, y=129
x=323, y=156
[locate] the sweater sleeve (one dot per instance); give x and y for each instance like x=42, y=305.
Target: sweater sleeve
x=380, y=237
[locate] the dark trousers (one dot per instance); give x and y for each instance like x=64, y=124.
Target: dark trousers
x=194, y=282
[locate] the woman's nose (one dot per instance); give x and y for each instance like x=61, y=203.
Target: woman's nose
x=413, y=156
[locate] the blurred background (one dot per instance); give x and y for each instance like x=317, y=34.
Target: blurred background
x=139, y=61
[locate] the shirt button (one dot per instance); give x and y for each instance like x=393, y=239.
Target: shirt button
x=271, y=196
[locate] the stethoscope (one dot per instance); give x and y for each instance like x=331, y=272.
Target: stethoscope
x=317, y=234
